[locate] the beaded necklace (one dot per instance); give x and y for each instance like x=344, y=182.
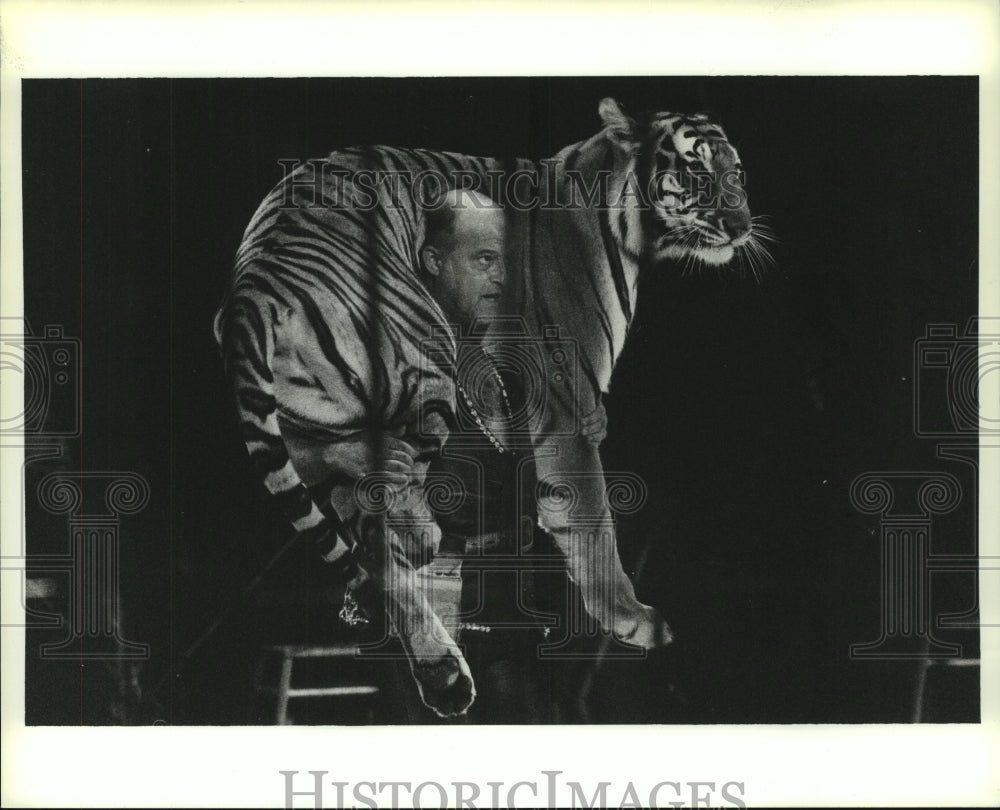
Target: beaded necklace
x=494, y=440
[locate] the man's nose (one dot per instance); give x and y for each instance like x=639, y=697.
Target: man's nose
x=498, y=273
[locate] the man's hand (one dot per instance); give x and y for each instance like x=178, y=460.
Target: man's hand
x=595, y=425
x=358, y=456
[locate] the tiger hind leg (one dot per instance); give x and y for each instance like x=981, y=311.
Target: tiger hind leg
x=572, y=508
x=441, y=672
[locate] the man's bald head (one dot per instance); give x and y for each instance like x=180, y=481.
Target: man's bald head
x=458, y=209
x=462, y=256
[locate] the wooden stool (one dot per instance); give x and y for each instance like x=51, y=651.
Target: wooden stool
x=334, y=684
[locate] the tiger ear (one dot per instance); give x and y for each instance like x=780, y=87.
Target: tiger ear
x=619, y=126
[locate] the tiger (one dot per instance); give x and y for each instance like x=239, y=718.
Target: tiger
x=324, y=330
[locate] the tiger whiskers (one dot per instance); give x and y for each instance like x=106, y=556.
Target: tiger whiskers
x=762, y=231
x=692, y=262
x=757, y=257
x=746, y=260
x=754, y=254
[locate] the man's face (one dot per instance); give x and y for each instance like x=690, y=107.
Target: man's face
x=470, y=268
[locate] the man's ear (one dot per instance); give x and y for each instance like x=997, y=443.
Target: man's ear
x=430, y=257
x=620, y=127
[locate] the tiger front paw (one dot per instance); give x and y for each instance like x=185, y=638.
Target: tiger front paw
x=646, y=629
x=445, y=685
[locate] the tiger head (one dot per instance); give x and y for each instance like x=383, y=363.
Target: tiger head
x=677, y=189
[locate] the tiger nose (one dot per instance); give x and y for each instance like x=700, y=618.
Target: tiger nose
x=736, y=225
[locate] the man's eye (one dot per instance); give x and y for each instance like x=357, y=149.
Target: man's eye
x=486, y=259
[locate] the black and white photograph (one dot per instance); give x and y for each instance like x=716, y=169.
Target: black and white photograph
x=630, y=401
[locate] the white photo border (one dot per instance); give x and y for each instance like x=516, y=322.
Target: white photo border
x=236, y=767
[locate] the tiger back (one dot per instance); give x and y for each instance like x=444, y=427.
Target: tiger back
x=325, y=333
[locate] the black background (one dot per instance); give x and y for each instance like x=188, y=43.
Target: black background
x=748, y=409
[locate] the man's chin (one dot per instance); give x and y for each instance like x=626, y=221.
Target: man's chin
x=488, y=309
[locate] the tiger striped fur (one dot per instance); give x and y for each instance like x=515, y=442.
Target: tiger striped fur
x=324, y=333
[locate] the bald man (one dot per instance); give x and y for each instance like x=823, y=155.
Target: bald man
x=463, y=256
x=462, y=266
